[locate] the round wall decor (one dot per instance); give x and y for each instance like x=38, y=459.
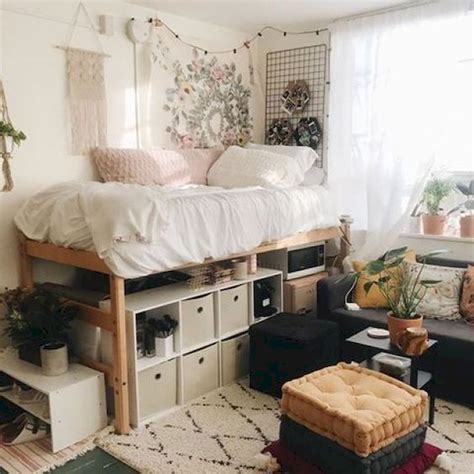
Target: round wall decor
x=280, y=132
x=295, y=97
x=308, y=132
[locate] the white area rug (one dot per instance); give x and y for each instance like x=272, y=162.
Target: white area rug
x=223, y=431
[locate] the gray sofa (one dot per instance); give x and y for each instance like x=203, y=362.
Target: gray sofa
x=454, y=373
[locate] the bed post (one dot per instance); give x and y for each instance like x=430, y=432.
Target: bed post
x=117, y=299
x=26, y=263
x=346, y=238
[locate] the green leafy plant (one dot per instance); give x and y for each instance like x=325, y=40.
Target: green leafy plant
x=467, y=207
x=7, y=130
x=404, y=290
x=435, y=191
x=36, y=316
x=163, y=327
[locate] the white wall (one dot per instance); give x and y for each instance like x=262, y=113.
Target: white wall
x=33, y=71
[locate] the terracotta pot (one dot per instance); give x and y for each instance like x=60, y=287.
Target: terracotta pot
x=467, y=226
x=397, y=325
x=433, y=225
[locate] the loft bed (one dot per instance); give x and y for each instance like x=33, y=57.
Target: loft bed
x=113, y=320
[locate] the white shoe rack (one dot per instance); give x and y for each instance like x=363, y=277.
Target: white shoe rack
x=74, y=405
x=210, y=342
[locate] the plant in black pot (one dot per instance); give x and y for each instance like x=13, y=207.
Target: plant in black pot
x=163, y=329
x=38, y=322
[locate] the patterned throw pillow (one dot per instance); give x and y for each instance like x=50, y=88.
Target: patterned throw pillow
x=442, y=300
x=124, y=165
x=374, y=298
x=467, y=294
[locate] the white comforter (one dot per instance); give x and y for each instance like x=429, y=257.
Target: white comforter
x=140, y=230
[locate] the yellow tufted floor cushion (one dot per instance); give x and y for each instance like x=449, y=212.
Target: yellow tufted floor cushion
x=360, y=409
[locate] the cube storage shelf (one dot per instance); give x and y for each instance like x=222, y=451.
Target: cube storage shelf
x=210, y=343
x=79, y=391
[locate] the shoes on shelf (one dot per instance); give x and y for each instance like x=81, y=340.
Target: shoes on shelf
x=25, y=394
x=8, y=412
x=23, y=429
x=6, y=382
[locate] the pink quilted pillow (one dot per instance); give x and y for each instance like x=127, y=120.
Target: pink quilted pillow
x=186, y=166
x=156, y=166
x=126, y=166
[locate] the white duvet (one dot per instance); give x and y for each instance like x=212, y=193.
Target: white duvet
x=140, y=230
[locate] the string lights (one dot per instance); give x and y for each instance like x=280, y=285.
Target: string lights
x=157, y=23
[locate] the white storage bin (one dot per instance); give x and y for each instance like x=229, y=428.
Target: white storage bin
x=235, y=358
x=201, y=372
x=234, y=309
x=157, y=388
x=197, y=320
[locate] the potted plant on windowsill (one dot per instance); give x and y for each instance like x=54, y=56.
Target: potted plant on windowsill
x=466, y=221
x=163, y=329
x=403, y=290
x=434, y=221
x=38, y=322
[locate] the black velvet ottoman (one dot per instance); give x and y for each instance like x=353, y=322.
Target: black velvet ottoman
x=335, y=459
x=288, y=346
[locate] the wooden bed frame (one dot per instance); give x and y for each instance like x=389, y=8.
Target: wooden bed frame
x=116, y=375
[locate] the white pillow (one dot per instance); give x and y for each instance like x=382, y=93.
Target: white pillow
x=242, y=167
x=442, y=300
x=314, y=177
x=303, y=156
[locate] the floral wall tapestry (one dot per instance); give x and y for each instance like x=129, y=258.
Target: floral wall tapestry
x=204, y=99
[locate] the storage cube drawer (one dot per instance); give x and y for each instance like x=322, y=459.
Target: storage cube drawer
x=235, y=358
x=197, y=317
x=234, y=309
x=201, y=372
x=157, y=388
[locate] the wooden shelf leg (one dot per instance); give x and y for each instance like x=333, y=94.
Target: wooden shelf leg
x=26, y=264
x=117, y=299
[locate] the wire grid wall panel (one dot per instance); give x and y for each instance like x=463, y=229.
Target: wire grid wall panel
x=309, y=64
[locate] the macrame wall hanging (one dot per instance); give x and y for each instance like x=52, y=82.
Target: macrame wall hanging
x=9, y=137
x=87, y=97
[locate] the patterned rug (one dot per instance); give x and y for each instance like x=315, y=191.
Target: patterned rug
x=224, y=430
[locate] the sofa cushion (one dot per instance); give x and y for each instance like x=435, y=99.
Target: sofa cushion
x=360, y=409
x=467, y=294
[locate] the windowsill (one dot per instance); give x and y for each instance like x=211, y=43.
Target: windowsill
x=445, y=238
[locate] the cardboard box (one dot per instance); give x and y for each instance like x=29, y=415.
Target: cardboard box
x=300, y=294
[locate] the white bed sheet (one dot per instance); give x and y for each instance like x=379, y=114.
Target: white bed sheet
x=140, y=230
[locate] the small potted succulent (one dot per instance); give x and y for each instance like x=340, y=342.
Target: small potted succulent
x=38, y=322
x=434, y=221
x=9, y=137
x=404, y=290
x=163, y=329
x=466, y=221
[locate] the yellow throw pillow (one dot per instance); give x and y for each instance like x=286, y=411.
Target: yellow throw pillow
x=374, y=298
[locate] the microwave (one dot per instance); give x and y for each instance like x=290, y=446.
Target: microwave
x=297, y=261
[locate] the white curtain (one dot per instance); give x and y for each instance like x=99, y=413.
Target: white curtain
x=390, y=90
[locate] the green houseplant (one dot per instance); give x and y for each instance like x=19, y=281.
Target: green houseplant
x=434, y=221
x=10, y=137
x=404, y=290
x=466, y=221
x=37, y=321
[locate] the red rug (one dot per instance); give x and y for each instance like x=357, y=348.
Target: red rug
x=417, y=464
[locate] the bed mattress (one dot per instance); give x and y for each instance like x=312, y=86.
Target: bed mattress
x=139, y=230
x=360, y=409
